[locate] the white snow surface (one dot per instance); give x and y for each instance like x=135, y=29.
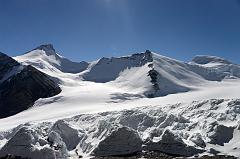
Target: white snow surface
x=191, y=114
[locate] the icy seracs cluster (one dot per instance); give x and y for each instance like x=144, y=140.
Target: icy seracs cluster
x=188, y=132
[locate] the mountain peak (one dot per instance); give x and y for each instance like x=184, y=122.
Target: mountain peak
x=148, y=52
x=205, y=59
x=48, y=48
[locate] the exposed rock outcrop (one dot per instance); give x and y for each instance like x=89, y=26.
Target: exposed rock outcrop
x=6, y=66
x=221, y=134
x=197, y=139
x=22, y=88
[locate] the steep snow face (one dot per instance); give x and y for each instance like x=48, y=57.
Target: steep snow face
x=47, y=60
x=108, y=69
x=184, y=129
x=158, y=77
x=173, y=76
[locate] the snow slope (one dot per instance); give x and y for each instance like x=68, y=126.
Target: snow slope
x=194, y=102
x=46, y=58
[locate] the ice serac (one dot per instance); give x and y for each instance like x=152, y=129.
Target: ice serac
x=21, y=86
x=172, y=144
x=30, y=144
x=123, y=141
x=46, y=58
x=189, y=132
x=69, y=135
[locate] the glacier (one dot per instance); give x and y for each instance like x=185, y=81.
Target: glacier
x=176, y=129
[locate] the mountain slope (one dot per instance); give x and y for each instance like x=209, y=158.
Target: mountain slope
x=8, y=67
x=21, y=86
x=46, y=59
x=108, y=69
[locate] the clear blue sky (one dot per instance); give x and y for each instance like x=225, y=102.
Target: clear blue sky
x=89, y=29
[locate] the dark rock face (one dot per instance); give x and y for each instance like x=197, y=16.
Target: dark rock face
x=171, y=144
x=13, y=157
x=159, y=155
x=123, y=141
x=197, y=139
x=6, y=64
x=153, y=74
x=48, y=48
x=221, y=135
x=21, y=90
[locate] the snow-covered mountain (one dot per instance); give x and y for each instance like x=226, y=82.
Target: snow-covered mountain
x=18, y=85
x=156, y=75
x=122, y=105
x=46, y=58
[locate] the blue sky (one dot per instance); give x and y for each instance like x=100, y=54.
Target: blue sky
x=90, y=29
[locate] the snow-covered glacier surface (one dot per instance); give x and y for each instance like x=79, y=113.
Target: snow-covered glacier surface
x=195, y=128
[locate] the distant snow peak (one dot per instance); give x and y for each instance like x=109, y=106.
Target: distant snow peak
x=47, y=48
x=46, y=59
x=205, y=59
